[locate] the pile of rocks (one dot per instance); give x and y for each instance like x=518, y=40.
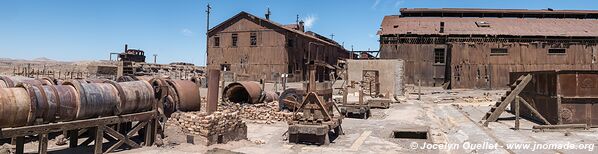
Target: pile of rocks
x=200, y=123
x=263, y=113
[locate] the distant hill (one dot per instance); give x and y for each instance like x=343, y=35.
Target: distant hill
x=42, y=59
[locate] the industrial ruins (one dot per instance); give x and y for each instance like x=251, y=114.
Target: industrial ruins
x=443, y=81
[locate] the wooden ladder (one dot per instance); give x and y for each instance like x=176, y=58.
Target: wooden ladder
x=510, y=96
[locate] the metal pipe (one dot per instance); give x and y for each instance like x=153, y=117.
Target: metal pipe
x=243, y=92
x=16, y=107
x=96, y=99
x=135, y=96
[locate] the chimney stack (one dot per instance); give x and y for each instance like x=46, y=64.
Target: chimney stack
x=301, y=26
x=126, y=47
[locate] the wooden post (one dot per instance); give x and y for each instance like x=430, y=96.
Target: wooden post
x=419, y=89
x=517, y=100
x=20, y=144
x=99, y=139
x=149, y=131
x=213, y=90
x=43, y=144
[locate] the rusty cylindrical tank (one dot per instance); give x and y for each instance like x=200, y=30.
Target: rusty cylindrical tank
x=188, y=95
x=12, y=81
x=96, y=99
x=244, y=92
x=135, y=96
x=55, y=102
x=16, y=107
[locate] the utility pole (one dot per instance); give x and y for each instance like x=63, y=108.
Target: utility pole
x=155, y=57
x=208, y=10
x=332, y=36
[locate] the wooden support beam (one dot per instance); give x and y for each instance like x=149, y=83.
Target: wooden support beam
x=99, y=139
x=20, y=144
x=563, y=126
x=510, y=98
x=517, y=101
x=121, y=139
x=535, y=112
x=91, y=138
x=43, y=144
x=73, y=138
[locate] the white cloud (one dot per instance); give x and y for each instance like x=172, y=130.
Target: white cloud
x=186, y=32
x=309, y=21
x=375, y=4
x=398, y=3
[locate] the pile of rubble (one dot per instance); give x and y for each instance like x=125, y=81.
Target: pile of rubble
x=200, y=123
x=263, y=113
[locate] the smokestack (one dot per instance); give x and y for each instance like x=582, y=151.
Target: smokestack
x=441, y=27
x=126, y=47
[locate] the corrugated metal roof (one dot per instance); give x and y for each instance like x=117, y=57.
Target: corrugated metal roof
x=498, y=26
x=477, y=10
x=245, y=14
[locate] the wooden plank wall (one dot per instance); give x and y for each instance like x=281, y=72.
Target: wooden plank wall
x=478, y=69
x=419, y=59
x=270, y=56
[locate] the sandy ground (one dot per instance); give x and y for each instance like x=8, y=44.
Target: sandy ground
x=450, y=116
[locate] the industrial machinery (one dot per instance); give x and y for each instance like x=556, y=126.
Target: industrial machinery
x=105, y=109
x=350, y=109
x=317, y=124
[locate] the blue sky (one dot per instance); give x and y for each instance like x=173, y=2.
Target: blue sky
x=73, y=30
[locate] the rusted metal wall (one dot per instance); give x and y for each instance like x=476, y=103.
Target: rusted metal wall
x=473, y=66
x=271, y=55
x=563, y=97
x=418, y=61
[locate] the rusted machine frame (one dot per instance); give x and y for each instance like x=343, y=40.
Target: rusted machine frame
x=318, y=128
x=98, y=129
x=362, y=108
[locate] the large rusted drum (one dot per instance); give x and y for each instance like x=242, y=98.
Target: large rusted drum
x=188, y=95
x=16, y=107
x=12, y=81
x=68, y=101
x=244, y=92
x=135, y=96
x=56, y=103
x=96, y=99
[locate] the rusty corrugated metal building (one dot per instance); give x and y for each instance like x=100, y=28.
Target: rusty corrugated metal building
x=255, y=48
x=477, y=48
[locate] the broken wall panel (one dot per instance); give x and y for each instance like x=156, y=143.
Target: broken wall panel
x=562, y=97
x=390, y=73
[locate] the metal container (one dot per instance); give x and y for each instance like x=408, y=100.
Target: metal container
x=188, y=95
x=244, y=92
x=562, y=97
x=68, y=101
x=55, y=102
x=16, y=108
x=12, y=81
x=96, y=99
x=135, y=96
